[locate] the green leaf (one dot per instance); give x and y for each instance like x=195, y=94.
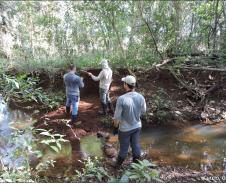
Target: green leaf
x=55, y=148
x=154, y=173
x=134, y=176
x=46, y=133
x=147, y=176
x=58, y=145
x=17, y=84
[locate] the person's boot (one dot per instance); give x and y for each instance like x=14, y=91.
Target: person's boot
x=118, y=163
x=110, y=108
x=136, y=159
x=104, y=107
x=73, y=119
x=67, y=113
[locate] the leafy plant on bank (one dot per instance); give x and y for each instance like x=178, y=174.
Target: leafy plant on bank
x=141, y=172
x=25, y=89
x=15, y=175
x=54, y=141
x=92, y=171
x=43, y=166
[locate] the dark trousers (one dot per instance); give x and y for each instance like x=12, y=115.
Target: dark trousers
x=132, y=139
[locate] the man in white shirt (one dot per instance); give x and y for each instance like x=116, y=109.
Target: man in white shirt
x=105, y=78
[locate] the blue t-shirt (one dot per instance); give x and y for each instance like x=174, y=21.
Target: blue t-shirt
x=73, y=82
x=129, y=108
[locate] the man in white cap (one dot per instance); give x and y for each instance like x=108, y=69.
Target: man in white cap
x=129, y=108
x=105, y=78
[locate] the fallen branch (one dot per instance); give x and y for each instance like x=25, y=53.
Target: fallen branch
x=203, y=68
x=164, y=62
x=194, y=91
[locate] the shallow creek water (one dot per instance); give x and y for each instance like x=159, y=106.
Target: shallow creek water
x=198, y=147
x=13, y=136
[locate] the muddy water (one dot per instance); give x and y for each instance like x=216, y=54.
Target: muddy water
x=197, y=147
x=91, y=145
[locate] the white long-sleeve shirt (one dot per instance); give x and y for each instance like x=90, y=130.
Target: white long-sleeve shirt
x=105, y=78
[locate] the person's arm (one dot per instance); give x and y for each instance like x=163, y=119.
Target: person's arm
x=97, y=78
x=118, y=113
x=81, y=83
x=64, y=79
x=143, y=106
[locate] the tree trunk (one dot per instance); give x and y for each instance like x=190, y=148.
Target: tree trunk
x=151, y=32
x=117, y=33
x=177, y=8
x=191, y=31
x=215, y=26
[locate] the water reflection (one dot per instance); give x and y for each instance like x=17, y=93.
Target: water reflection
x=11, y=139
x=91, y=146
x=198, y=147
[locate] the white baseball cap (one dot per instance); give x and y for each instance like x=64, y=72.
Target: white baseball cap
x=131, y=80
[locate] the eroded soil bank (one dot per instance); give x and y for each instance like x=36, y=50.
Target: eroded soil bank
x=170, y=103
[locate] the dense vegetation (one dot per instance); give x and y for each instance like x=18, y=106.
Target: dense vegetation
x=50, y=33
x=47, y=35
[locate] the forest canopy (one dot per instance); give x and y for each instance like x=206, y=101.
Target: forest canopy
x=126, y=32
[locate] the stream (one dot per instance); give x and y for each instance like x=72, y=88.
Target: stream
x=197, y=147
x=14, y=136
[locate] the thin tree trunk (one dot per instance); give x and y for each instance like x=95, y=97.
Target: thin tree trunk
x=224, y=13
x=215, y=26
x=177, y=8
x=117, y=33
x=151, y=32
x=191, y=31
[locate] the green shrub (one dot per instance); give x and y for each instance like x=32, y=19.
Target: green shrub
x=92, y=171
x=54, y=141
x=141, y=172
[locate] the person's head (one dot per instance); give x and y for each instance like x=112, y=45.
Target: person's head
x=129, y=83
x=104, y=63
x=72, y=68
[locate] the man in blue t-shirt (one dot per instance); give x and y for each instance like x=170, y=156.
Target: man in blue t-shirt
x=73, y=84
x=129, y=108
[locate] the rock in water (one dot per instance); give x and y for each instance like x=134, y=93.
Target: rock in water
x=104, y=135
x=110, y=151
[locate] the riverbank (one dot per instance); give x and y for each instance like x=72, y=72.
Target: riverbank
x=169, y=105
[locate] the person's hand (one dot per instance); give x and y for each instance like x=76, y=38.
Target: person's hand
x=82, y=78
x=110, y=89
x=115, y=123
x=90, y=74
x=115, y=131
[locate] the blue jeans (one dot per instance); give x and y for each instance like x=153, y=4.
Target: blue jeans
x=104, y=96
x=131, y=138
x=73, y=100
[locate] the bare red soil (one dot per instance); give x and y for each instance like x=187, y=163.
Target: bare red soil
x=149, y=82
